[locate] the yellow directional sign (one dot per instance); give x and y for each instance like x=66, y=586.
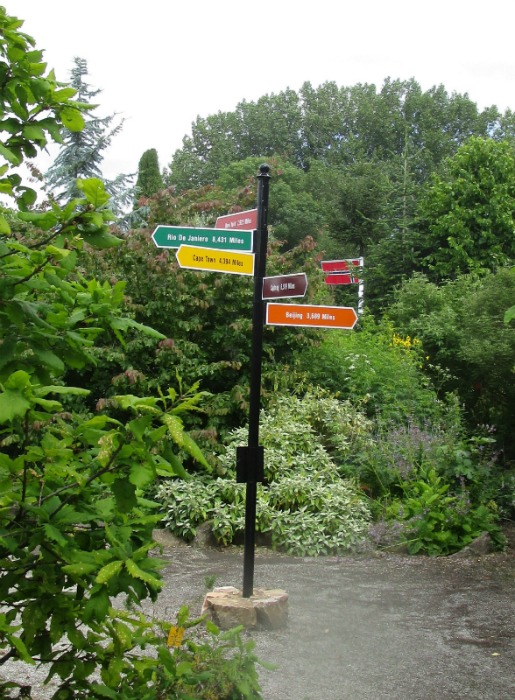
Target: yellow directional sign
x=193, y=258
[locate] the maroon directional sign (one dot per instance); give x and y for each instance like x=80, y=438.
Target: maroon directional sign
x=285, y=286
x=242, y=220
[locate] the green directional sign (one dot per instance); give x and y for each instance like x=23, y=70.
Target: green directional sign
x=215, y=238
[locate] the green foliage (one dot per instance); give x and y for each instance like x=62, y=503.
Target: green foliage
x=213, y=665
x=468, y=212
x=470, y=349
x=75, y=529
x=433, y=488
x=375, y=368
x=437, y=522
x=304, y=506
x=82, y=151
x=149, y=179
x=206, y=321
x=335, y=125
x=34, y=107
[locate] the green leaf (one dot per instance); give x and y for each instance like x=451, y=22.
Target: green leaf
x=4, y=226
x=50, y=359
x=175, y=428
x=9, y=155
x=138, y=573
x=125, y=495
x=21, y=649
x=509, y=315
x=72, y=119
x=79, y=569
x=103, y=691
x=44, y=220
x=33, y=132
x=55, y=534
x=194, y=451
x=102, y=240
x=124, y=323
x=71, y=390
x=138, y=426
x=97, y=606
x=141, y=475
x=108, y=571
x=94, y=191
x=12, y=405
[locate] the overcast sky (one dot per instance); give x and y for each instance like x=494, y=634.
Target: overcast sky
x=160, y=64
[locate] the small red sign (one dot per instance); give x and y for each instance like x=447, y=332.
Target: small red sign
x=337, y=278
x=339, y=265
x=242, y=220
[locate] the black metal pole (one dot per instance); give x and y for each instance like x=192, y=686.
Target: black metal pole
x=258, y=320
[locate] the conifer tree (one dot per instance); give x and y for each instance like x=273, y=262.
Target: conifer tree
x=82, y=153
x=149, y=180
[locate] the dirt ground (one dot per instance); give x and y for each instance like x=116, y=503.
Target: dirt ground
x=373, y=627
x=367, y=627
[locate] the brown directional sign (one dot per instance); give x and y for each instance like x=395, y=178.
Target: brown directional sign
x=285, y=286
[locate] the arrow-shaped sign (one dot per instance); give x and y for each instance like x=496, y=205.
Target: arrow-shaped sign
x=285, y=286
x=194, y=258
x=242, y=220
x=214, y=238
x=310, y=316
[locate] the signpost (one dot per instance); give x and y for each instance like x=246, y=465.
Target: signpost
x=250, y=459
x=310, y=316
x=241, y=220
x=193, y=258
x=285, y=286
x=238, y=246
x=176, y=236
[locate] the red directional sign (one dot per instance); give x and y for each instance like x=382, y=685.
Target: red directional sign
x=242, y=220
x=310, y=316
x=337, y=278
x=285, y=286
x=339, y=265
x=341, y=271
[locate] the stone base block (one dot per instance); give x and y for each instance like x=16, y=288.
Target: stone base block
x=266, y=609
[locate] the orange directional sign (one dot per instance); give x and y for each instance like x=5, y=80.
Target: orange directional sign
x=193, y=258
x=310, y=316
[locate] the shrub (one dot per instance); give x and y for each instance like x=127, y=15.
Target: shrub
x=305, y=505
x=438, y=522
x=376, y=369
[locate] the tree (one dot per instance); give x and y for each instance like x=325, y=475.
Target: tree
x=468, y=347
x=82, y=151
x=149, y=179
x=467, y=214
x=75, y=530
